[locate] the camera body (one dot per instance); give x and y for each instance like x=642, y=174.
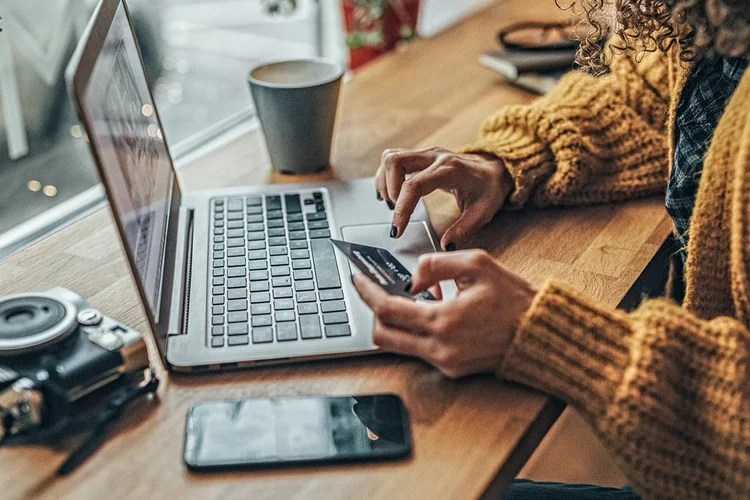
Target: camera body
x=55, y=350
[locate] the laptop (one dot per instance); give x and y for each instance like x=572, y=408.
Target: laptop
x=229, y=278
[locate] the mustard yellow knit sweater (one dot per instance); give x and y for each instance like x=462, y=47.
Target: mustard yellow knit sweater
x=667, y=388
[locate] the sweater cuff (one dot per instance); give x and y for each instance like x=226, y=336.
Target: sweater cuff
x=570, y=348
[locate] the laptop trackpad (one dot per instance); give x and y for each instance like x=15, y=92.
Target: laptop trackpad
x=414, y=242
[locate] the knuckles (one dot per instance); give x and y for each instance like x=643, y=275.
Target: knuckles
x=480, y=259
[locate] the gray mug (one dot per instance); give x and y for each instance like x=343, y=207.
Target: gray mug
x=296, y=103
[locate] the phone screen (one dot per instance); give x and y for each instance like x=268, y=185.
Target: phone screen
x=274, y=431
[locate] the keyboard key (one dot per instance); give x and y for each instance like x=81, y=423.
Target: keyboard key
x=218, y=223
x=303, y=274
x=294, y=218
x=258, y=275
x=331, y=295
x=256, y=236
x=236, y=233
x=273, y=202
x=237, y=305
x=219, y=239
x=309, y=201
x=259, y=286
x=254, y=210
x=333, y=306
x=326, y=269
x=236, y=261
x=236, y=252
x=283, y=316
x=217, y=310
x=283, y=293
x=235, y=242
x=254, y=201
x=256, y=245
x=283, y=304
x=236, y=272
x=286, y=332
x=262, y=321
x=296, y=226
x=276, y=251
x=252, y=219
x=219, y=281
x=255, y=226
x=320, y=207
x=237, y=317
x=310, y=327
x=260, y=309
x=280, y=271
x=306, y=297
x=236, y=283
x=301, y=264
x=335, y=318
x=218, y=230
x=218, y=290
x=217, y=331
x=234, y=224
x=298, y=245
x=338, y=331
x=318, y=195
x=274, y=214
x=278, y=241
x=218, y=255
x=279, y=231
x=318, y=224
x=293, y=203
x=218, y=272
x=217, y=342
x=237, y=293
x=217, y=300
x=219, y=202
x=262, y=335
x=235, y=205
x=304, y=286
x=282, y=281
x=307, y=308
x=260, y=297
x=316, y=216
x=218, y=247
x=319, y=233
x=235, y=216
x=272, y=224
x=297, y=235
x=280, y=260
x=257, y=265
x=300, y=254
x=238, y=329
x=256, y=255
x=243, y=340
x=217, y=320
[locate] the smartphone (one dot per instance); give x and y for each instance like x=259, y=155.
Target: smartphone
x=269, y=432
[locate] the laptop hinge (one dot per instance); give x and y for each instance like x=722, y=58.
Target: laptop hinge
x=178, y=314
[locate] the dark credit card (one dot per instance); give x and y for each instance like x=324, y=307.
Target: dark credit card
x=381, y=267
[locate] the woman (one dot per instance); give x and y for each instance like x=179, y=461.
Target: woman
x=667, y=388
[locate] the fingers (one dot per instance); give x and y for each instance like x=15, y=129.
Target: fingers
x=464, y=267
x=398, y=341
x=396, y=164
x=395, y=311
x=472, y=219
x=436, y=176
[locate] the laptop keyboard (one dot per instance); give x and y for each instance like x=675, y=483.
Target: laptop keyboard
x=274, y=276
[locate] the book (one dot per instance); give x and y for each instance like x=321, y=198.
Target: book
x=535, y=70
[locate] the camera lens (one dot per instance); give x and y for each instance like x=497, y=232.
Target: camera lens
x=28, y=321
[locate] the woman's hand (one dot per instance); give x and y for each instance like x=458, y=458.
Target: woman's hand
x=479, y=182
x=469, y=334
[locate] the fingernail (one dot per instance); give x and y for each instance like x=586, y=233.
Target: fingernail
x=377, y=193
x=450, y=247
x=390, y=205
x=394, y=231
x=354, y=279
x=407, y=288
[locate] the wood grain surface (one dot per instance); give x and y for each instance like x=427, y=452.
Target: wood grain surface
x=470, y=436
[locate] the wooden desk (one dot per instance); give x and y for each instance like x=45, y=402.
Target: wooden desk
x=471, y=436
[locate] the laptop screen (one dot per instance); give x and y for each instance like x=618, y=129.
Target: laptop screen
x=124, y=128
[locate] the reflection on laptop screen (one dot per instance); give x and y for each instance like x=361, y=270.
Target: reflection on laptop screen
x=134, y=160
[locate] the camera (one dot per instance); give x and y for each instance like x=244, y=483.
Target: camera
x=55, y=350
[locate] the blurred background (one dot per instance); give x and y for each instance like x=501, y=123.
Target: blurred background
x=197, y=54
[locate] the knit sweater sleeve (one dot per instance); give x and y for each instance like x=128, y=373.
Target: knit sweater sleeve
x=590, y=140
x=667, y=392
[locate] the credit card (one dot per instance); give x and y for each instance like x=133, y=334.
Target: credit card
x=382, y=267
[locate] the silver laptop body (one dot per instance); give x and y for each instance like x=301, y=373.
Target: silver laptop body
x=229, y=278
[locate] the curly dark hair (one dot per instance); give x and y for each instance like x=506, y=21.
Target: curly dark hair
x=700, y=27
